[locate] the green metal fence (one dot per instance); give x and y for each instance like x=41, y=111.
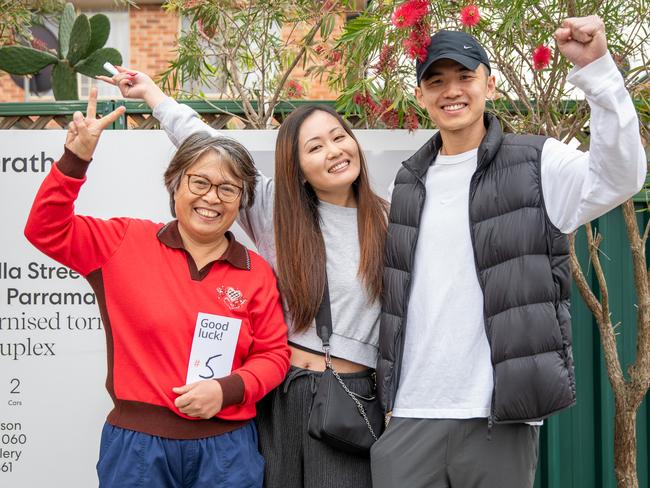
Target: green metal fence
x=37, y=115
x=577, y=446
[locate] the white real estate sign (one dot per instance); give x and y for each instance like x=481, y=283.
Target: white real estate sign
x=52, y=346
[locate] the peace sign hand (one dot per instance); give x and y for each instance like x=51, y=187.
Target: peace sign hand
x=83, y=132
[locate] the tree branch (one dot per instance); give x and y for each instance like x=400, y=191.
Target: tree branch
x=581, y=281
x=640, y=370
x=599, y=310
x=303, y=49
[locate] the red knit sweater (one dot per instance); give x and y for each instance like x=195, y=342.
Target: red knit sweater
x=149, y=293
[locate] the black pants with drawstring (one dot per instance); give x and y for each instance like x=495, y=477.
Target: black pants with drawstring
x=292, y=458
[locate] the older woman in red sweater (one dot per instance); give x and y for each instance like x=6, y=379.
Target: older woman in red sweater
x=194, y=328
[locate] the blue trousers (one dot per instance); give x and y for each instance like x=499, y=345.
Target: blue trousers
x=132, y=459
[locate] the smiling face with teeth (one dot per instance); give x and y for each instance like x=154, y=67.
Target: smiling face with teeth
x=329, y=158
x=454, y=96
x=205, y=219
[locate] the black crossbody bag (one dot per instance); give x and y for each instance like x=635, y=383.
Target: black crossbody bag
x=340, y=417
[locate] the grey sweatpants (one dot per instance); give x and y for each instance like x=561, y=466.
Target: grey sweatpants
x=292, y=458
x=441, y=453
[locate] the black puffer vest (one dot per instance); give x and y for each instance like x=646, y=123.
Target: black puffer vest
x=522, y=264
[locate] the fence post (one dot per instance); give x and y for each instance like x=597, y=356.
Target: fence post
x=120, y=123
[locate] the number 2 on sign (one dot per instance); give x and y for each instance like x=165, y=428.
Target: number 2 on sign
x=16, y=384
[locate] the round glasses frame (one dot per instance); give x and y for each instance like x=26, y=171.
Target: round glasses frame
x=222, y=188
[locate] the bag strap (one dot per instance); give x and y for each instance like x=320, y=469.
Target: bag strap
x=324, y=331
x=324, y=318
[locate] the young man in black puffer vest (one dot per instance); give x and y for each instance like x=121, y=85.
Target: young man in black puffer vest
x=475, y=345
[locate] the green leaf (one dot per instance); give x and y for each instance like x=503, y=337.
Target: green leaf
x=327, y=27
x=22, y=60
x=100, y=28
x=65, y=28
x=64, y=82
x=357, y=27
x=93, y=64
x=79, y=40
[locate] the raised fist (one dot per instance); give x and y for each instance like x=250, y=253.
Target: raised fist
x=582, y=39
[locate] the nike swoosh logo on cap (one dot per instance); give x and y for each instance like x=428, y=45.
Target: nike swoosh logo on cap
x=467, y=47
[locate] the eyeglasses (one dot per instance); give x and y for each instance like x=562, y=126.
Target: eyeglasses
x=227, y=192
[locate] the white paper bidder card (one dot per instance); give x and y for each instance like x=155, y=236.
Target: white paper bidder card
x=213, y=347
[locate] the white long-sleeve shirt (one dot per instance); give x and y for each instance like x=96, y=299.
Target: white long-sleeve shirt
x=446, y=368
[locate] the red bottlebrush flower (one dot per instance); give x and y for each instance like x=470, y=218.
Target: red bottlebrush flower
x=470, y=16
x=418, y=42
x=294, y=89
x=333, y=57
x=409, y=13
x=411, y=121
x=388, y=116
x=365, y=101
x=387, y=61
x=319, y=49
x=359, y=99
x=371, y=106
x=541, y=56
x=39, y=44
x=390, y=119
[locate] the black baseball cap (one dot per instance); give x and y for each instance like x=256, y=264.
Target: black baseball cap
x=457, y=45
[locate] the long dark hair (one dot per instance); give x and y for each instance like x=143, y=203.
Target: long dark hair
x=299, y=242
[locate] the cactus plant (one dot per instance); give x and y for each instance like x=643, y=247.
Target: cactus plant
x=81, y=50
x=79, y=39
x=64, y=82
x=65, y=29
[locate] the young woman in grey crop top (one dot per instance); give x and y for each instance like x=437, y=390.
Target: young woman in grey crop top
x=318, y=218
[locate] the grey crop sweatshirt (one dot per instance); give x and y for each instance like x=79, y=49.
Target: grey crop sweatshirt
x=355, y=318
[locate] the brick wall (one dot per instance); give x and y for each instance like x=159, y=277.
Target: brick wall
x=314, y=88
x=153, y=34
x=9, y=91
